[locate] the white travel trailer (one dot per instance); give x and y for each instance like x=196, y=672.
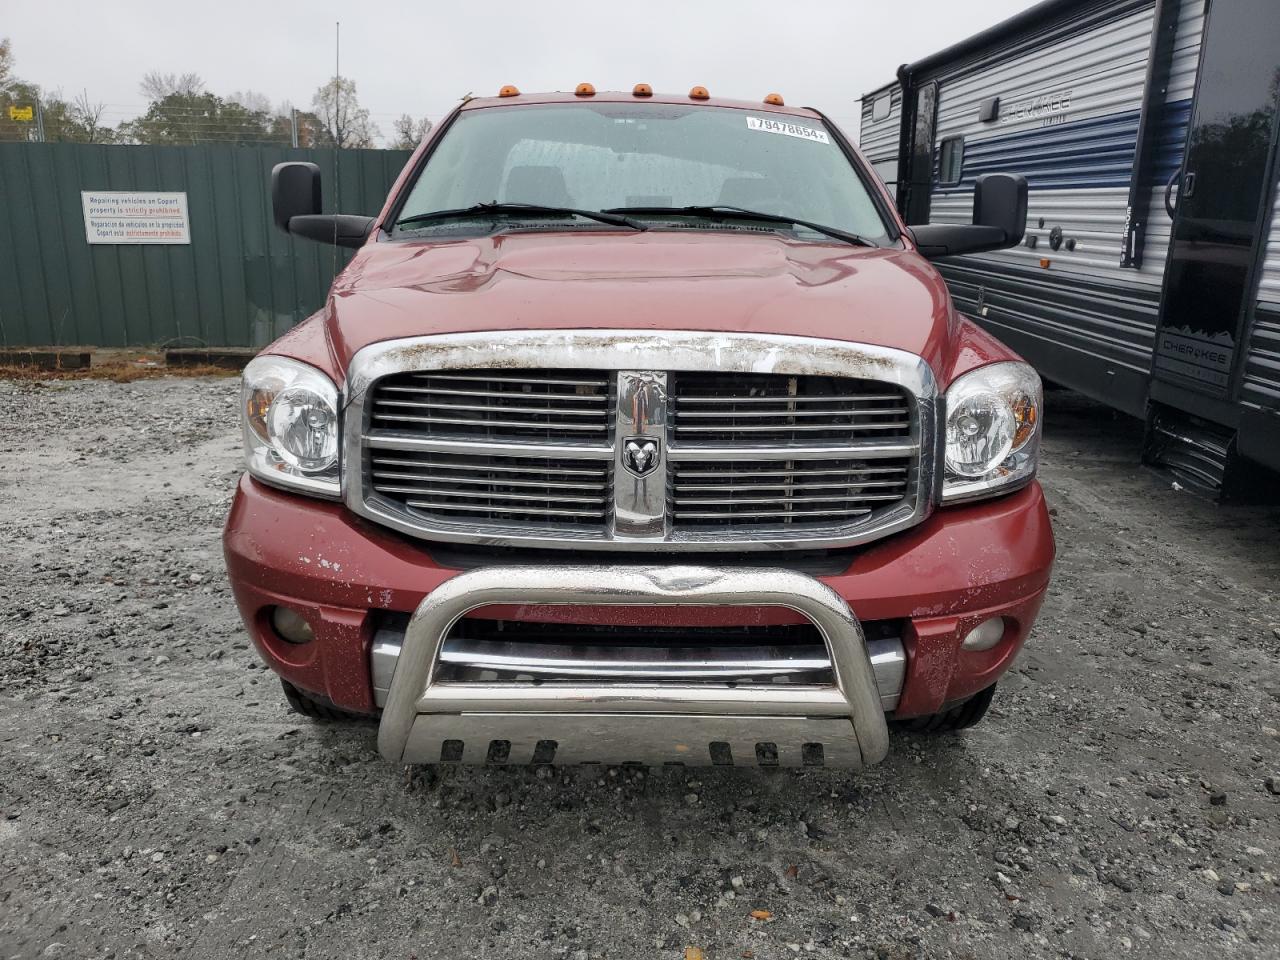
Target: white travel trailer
x=1149, y=276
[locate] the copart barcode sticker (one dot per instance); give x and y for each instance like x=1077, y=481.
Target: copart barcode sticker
x=787, y=129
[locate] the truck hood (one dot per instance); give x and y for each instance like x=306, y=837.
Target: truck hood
x=658, y=280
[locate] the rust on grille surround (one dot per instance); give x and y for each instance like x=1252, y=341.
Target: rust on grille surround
x=636, y=354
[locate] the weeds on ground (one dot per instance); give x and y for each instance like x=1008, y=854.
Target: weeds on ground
x=116, y=372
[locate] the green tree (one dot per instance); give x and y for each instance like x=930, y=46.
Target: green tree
x=343, y=122
x=22, y=96
x=79, y=120
x=200, y=117
x=15, y=93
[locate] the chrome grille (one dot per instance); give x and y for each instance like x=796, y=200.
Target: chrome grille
x=784, y=493
x=453, y=488
x=518, y=405
x=445, y=439
x=746, y=410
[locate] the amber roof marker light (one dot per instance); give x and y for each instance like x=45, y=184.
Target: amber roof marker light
x=642, y=90
x=774, y=100
x=699, y=93
x=584, y=90
x=508, y=91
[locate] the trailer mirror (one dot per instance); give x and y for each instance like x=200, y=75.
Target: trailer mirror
x=999, y=220
x=295, y=207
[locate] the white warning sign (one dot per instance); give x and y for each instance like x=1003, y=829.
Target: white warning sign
x=127, y=216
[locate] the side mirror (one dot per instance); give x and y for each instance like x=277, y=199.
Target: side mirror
x=295, y=192
x=999, y=220
x=295, y=207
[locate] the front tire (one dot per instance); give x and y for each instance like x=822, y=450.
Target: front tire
x=314, y=706
x=960, y=717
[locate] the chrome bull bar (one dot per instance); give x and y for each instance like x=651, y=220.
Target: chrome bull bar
x=426, y=721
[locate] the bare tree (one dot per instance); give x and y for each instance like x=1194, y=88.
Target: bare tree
x=6, y=61
x=88, y=115
x=343, y=122
x=156, y=85
x=408, y=132
x=254, y=102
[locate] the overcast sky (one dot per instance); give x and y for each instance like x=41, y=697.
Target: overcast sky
x=420, y=57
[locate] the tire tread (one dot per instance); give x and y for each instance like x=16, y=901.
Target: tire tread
x=960, y=717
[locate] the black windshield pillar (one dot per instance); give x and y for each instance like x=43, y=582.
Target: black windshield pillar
x=916, y=138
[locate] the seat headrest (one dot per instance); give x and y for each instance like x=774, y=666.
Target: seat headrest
x=541, y=185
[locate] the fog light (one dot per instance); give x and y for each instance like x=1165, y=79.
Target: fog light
x=290, y=625
x=985, y=635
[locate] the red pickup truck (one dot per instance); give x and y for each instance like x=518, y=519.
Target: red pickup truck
x=640, y=429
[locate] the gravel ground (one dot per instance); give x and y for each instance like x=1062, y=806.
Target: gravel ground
x=159, y=800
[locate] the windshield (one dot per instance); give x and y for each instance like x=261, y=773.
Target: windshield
x=601, y=156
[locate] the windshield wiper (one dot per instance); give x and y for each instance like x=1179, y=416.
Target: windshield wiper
x=520, y=210
x=724, y=212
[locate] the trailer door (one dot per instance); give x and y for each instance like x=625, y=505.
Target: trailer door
x=1219, y=194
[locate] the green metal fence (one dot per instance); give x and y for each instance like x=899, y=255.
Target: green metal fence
x=239, y=282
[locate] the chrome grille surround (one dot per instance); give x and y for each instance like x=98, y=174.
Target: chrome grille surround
x=642, y=513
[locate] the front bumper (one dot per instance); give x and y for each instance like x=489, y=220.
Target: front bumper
x=961, y=566
x=425, y=720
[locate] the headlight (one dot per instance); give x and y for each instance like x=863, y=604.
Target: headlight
x=993, y=431
x=290, y=413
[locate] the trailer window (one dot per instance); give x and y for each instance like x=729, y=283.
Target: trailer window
x=887, y=170
x=950, y=161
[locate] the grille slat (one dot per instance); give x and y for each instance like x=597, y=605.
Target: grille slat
x=721, y=429
x=797, y=412
x=555, y=496
x=799, y=472
x=480, y=425
x=511, y=491
x=443, y=507
x=465, y=394
x=798, y=487
x=772, y=515
x=790, y=499
x=744, y=409
x=517, y=406
x=748, y=400
x=463, y=467
x=737, y=494
x=469, y=408
x=465, y=481
x=519, y=376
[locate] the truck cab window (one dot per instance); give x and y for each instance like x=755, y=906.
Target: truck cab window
x=611, y=155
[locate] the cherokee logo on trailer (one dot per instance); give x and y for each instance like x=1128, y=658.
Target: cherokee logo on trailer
x=1048, y=108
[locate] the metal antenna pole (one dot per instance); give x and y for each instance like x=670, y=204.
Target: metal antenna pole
x=337, y=113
